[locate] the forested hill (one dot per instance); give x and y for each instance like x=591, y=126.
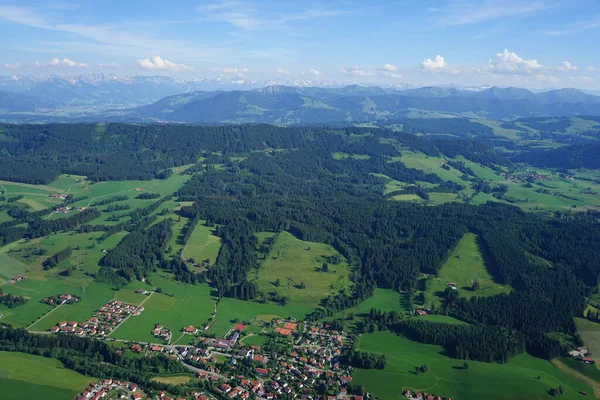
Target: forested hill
x=291, y=105
x=322, y=185
x=39, y=153
x=571, y=157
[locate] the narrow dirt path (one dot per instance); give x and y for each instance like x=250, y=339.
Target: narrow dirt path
x=579, y=376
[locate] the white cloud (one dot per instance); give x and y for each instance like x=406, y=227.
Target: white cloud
x=390, y=68
x=58, y=63
x=283, y=72
x=250, y=18
x=12, y=66
x=473, y=12
x=315, y=72
x=511, y=63
x=110, y=66
x=355, y=71
x=567, y=66
x=546, y=78
x=591, y=69
x=576, y=27
x=437, y=64
x=158, y=63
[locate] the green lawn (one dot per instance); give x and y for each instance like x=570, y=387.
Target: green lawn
x=294, y=261
x=514, y=380
x=255, y=340
x=467, y=262
x=24, y=376
x=203, y=244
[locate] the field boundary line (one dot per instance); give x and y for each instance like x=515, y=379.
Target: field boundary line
x=45, y=315
x=130, y=315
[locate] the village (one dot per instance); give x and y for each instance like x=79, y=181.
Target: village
x=238, y=371
x=102, y=322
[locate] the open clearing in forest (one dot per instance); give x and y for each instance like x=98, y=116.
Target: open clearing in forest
x=467, y=262
x=24, y=376
x=202, y=245
x=294, y=262
x=447, y=378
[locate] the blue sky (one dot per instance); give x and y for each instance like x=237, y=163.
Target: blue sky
x=535, y=43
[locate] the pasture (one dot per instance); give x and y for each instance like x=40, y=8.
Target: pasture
x=179, y=305
x=590, y=333
x=294, y=263
x=202, y=245
x=467, y=263
x=93, y=296
x=446, y=377
x=230, y=310
x=24, y=376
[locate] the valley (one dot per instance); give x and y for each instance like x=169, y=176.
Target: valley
x=259, y=238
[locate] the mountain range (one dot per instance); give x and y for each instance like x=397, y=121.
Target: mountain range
x=235, y=100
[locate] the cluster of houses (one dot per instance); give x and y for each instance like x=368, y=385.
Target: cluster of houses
x=421, y=311
x=582, y=354
x=59, y=196
x=16, y=279
x=161, y=332
x=104, y=320
x=60, y=299
x=423, y=396
x=315, y=360
x=111, y=389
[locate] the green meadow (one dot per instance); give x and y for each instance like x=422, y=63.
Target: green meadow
x=590, y=333
x=467, y=262
x=202, y=245
x=295, y=262
x=179, y=305
x=24, y=376
x=446, y=377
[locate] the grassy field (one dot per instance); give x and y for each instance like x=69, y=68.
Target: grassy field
x=230, y=310
x=179, y=306
x=24, y=376
x=442, y=319
x=514, y=380
x=591, y=371
x=94, y=296
x=203, y=244
x=173, y=379
x=255, y=340
x=590, y=333
x=294, y=261
x=467, y=262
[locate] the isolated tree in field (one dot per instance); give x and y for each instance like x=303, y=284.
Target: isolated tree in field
x=325, y=267
x=277, y=282
x=302, y=285
x=475, y=285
